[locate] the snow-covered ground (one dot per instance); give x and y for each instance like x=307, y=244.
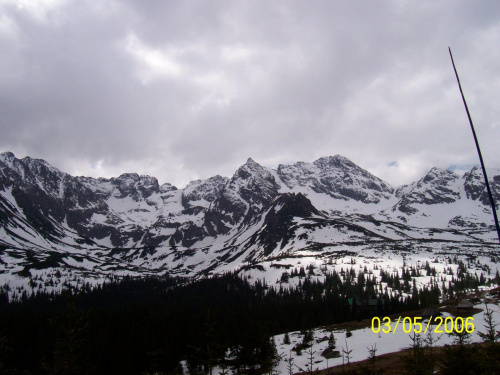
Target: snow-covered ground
x=362, y=340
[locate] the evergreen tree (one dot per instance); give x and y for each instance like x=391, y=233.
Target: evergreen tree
x=310, y=357
x=430, y=342
x=491, y=335
x=372, y=360
x=490, y=359
x=290, y=363
x=5, y=349
x=268, y=357
x=460, y=357
x=70, y=354
x=246, y=359
x=210, y=351
x=372, y=357
x=332, y=342
x=416, y=363
x=307, y=339
x=347, y=355
x=286, y=339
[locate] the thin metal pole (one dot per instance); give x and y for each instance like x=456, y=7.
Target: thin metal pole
x=478, y=151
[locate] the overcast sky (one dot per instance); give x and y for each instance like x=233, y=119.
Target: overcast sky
x=183, y=90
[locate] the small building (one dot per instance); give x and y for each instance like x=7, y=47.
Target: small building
x=465, y=305
x=372, y=305
x=430, y=312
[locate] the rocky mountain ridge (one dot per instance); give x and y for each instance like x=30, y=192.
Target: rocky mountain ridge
x=132, y=225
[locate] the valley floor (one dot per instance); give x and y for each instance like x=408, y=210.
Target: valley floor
x=390, y=347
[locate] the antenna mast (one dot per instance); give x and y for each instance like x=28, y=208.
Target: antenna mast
x=478, y=151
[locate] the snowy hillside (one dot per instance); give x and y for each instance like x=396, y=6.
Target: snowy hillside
x=89, y=229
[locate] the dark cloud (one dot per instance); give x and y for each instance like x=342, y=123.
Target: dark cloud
x=185, y=90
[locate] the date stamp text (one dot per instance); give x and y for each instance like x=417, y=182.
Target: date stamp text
x=416, y=325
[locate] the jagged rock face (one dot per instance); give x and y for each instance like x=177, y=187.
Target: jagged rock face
x=46, y=196
x=135, y=186
x=50, y=200
x=126, y=185
x=250, y=189
x=30, y=174
x=475, y=187
x=338, y=177
x=254, y=183
x=438, y=186
x=199, y=192
x=278, y=222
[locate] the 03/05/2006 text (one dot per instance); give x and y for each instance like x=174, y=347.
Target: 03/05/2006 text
x=416, y=324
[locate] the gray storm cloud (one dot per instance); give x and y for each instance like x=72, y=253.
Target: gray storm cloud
x=186, y=90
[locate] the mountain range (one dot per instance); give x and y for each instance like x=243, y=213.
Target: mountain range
x=131, y=225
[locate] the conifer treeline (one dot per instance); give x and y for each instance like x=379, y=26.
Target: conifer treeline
x=146, y=325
